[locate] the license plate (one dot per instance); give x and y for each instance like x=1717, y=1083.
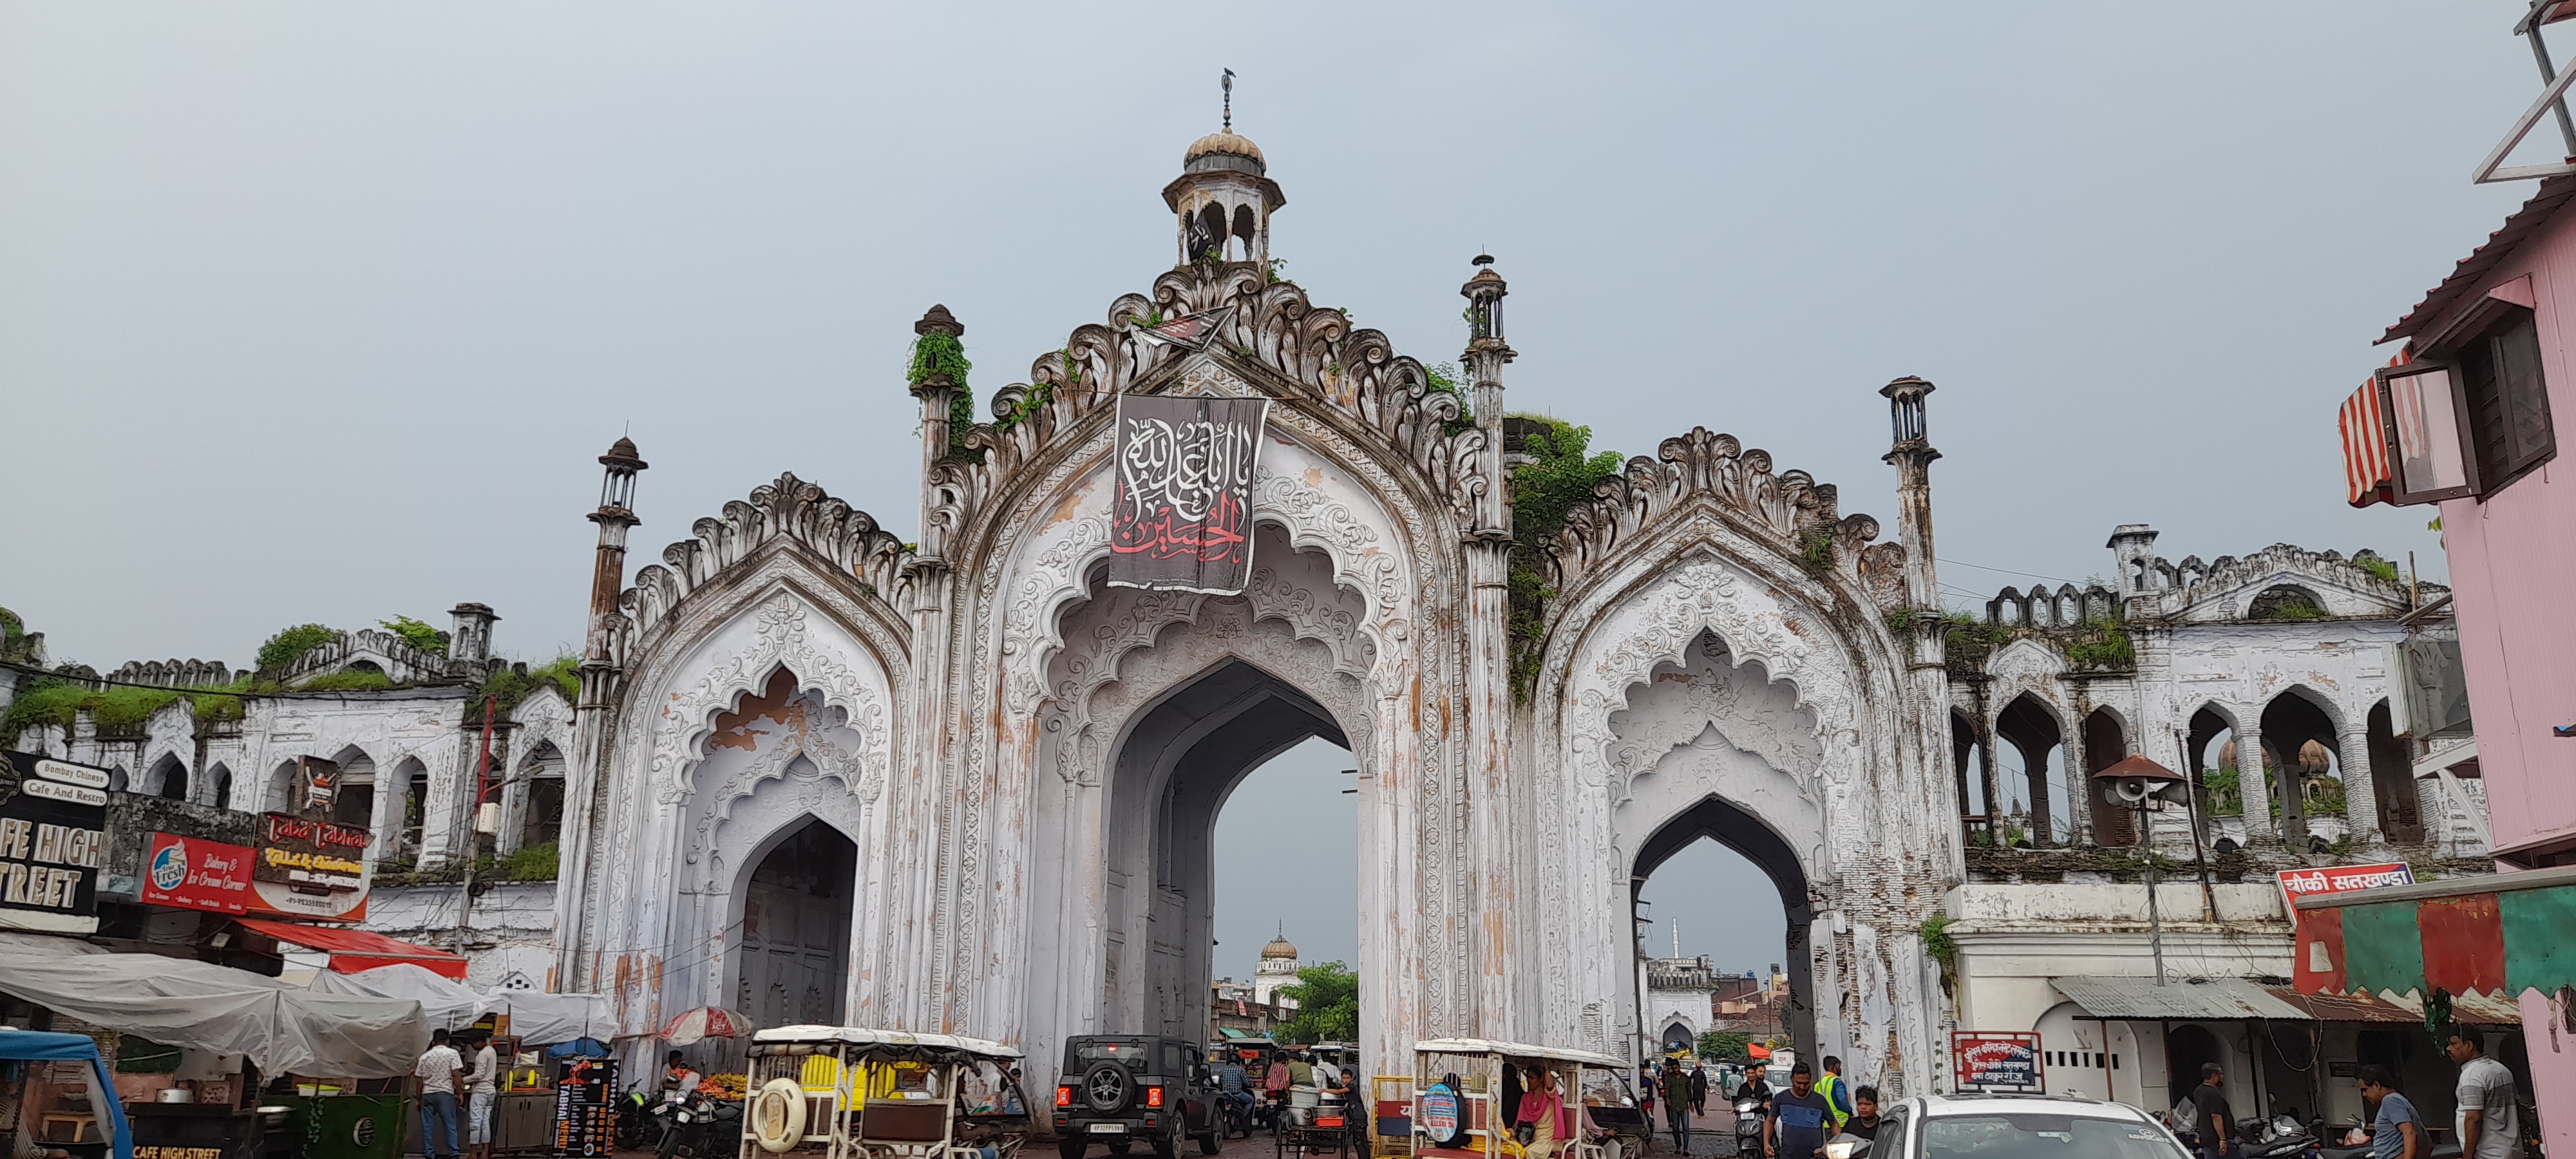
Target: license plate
x=1109, y=1128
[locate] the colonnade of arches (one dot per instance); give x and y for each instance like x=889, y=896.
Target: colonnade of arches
x=2012, y=775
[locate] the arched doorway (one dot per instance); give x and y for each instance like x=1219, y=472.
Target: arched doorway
x=1177, y=765
x=1715, y=819
x=2187, y=1047
x=793, y=967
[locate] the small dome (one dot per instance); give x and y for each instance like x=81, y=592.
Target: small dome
x=1222, y=143
x=1279, y=947
x=622, y=454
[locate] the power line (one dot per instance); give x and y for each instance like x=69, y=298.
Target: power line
x=2005, y=570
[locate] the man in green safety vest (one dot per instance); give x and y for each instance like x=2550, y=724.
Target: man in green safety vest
x=1837, y=1092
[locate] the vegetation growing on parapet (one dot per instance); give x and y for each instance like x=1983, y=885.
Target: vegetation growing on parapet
x=290, y=644
x=1816, y=553
x=1938, y=946
x=2381, y=569
x=2101, y=642
x=510, y=684
x=417, y=634
x=1542, y=492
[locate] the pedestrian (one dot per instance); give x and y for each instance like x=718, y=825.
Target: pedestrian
x=482, y=1086
x=678, y=1081
x=1542, y=1113
x=1699, y=1088
x=2396, y=1131
x=1799, y=1116
x=2489, y=1122
x=1837, y=1096
x=1864, y=1120
x=437, y=1071
x=2210, y=1118
x=1301, y=1071
x=1009, y=1101
x=1677, y=1105
x=1646, y=1097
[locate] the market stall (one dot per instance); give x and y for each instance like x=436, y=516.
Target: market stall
x=69, y=1101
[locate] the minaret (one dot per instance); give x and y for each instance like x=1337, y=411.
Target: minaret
x=1224, y=196
x=1491, y=823
x=1913, y=454
x=586, y=776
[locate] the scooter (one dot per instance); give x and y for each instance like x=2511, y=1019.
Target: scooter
x=1233, y=1117
x=2279, y=1137
x=1749, y=1115
x=697, y=1127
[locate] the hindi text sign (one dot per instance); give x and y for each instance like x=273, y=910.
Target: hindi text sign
x=309, y=868
x=2299, y=883
x=1996, y=1063
x=1182, y=517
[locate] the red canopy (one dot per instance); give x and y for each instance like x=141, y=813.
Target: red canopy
x=355, y=950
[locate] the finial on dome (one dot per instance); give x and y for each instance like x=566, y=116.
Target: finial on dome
x=1228, y=82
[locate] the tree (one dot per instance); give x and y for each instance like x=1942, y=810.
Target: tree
x=1328, y=1005
x=1723, y=1044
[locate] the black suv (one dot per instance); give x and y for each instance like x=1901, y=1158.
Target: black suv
x=1121, y=1089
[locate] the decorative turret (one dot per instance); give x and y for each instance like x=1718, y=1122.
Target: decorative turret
x=469, y=639
x=1911, y=452
x=2133, y=554
x=1485, y=357
x=1224, y=196
x=615, y=517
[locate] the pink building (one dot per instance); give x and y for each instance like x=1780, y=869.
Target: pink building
x=2469, y=420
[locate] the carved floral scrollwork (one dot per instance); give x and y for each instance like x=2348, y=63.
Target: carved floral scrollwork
x=782, y=640
x=1785, y=508
x=1272, y=324
x=790, y=509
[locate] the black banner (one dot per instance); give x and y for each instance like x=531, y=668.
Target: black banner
x=1183, y=514
x=53, y=838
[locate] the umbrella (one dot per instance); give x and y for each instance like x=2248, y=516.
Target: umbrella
x=705, y=1022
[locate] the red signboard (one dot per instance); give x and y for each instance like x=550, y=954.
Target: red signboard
x=2299, y=883
x=1996, y=1063
x=193, y=873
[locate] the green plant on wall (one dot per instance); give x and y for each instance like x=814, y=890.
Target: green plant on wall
x=1542, y=492
x=2101, y=642
x=936, y=353
x=417, y=634
x=2226, y=791
x=290, y=644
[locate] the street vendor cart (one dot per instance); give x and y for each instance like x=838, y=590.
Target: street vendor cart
x=1467, y=1096
x=99, y=1121
x=849, y=1092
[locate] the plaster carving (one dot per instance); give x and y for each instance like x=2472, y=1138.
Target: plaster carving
x=782, y=641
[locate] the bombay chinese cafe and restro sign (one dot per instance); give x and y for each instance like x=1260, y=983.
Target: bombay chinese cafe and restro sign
x=309, y=868
x=1182, y=520
x=53, y=837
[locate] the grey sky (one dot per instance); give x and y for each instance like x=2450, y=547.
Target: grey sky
x=321, y=311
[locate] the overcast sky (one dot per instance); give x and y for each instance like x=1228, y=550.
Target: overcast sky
x=321, y=312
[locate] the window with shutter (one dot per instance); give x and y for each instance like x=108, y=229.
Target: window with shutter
x=2506, y=399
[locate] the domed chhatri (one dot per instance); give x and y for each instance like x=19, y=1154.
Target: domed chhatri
x=1226, y=145
x=1279, y=947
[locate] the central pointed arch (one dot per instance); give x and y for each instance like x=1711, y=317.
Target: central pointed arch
x=1717, y=819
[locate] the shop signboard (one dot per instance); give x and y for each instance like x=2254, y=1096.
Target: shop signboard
x=194, y=873
x=585, y=1107
x=310, y=868
x=2299, y=883
x=1996, y=1063
x=53, y=838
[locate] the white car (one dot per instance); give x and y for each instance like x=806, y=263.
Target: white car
x=2010, y=1127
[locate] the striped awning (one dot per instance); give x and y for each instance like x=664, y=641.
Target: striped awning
x=2484, y=935
x=2366, y=477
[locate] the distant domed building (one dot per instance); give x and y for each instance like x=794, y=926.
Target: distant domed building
x=1278, y=968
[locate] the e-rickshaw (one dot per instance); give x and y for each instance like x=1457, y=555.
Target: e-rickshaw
x=1467, y=1094
x=849, y=1092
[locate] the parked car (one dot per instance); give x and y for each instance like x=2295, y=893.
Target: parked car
x=1923, y=1125
x=1122, y=1089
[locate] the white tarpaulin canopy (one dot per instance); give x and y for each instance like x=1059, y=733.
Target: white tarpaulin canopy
x=184, y=1002
x=537, y=1019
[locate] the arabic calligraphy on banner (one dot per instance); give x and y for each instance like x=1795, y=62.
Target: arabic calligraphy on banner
x=1183, y=514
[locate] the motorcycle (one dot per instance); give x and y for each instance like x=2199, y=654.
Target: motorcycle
x=2279, y=1137
x=635, y=1124
x=1749, y=1116
x=697, y=1127
x=1234, y=1117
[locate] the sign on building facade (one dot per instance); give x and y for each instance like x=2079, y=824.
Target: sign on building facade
x=194, y=873
x=310, y=868
x=1997, y=1063
x=53, y=838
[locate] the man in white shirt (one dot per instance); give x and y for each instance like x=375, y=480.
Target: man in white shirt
x=482, y=1087
x=2489, y=1122
x=436, y=1071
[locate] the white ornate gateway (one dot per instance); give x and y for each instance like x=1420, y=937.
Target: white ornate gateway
x=967, y=786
